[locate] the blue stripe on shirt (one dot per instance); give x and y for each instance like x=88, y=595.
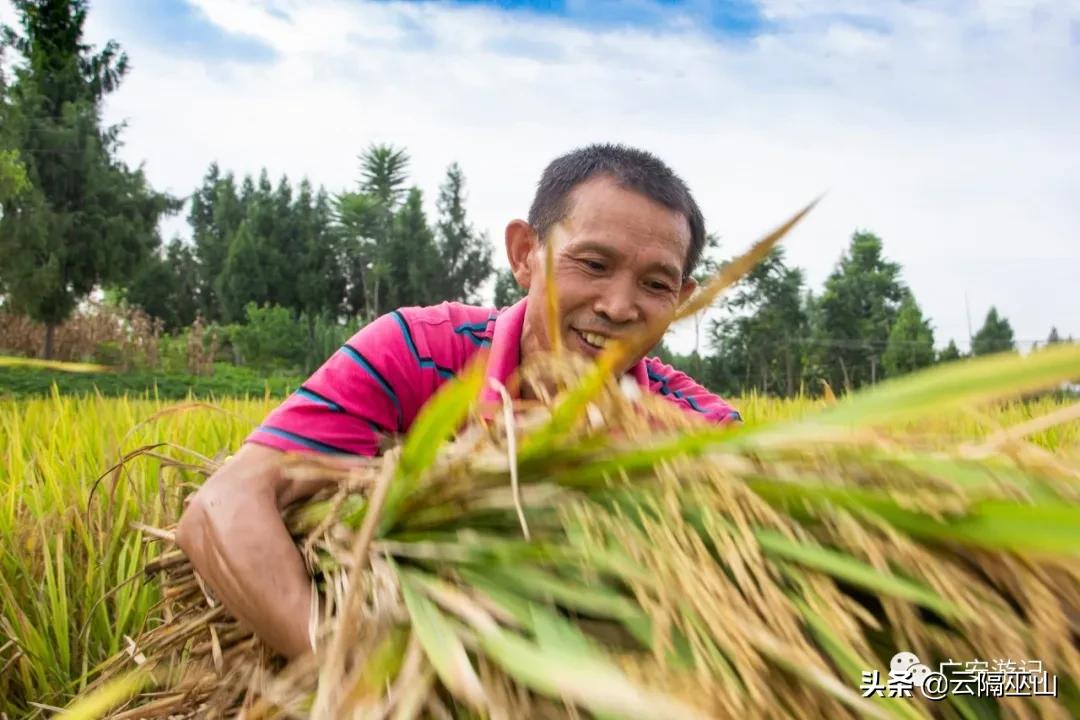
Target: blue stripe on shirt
x=423, y=361
x=327, y=402
x=316, y=397
x=360, y=360
x=665, y=390
x=473, y=330
x=301, y=440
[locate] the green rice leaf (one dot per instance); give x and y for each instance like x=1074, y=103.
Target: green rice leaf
x=856, y=572
x=99, y=702
x=1046, y=527
x=441, y=644
x=438, y=420
x=589, y=681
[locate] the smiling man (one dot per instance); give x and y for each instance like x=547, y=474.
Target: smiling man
x=626, y=235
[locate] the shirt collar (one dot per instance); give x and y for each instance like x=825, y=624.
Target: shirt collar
x=505, y=354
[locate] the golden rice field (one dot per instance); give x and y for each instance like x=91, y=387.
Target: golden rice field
x=70, y=582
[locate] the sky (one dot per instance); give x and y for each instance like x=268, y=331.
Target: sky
x=949, y=128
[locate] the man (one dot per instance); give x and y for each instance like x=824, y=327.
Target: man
x=626, y=233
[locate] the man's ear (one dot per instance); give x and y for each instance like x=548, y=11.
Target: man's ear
x=521, y=245
x=688, y=287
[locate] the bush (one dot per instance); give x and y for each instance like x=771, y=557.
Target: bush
x=226, y=381
x=274, y=338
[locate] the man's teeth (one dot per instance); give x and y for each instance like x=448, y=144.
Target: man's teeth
x=594, y=339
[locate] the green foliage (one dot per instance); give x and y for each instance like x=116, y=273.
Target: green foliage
x=13, y=180
x=273, y=337
x=366, y=226
x=226, y=381
x=252, y=270
x=507, y=290
x=464, y=254
x=411, y=256
x=950, y=353
x=996, y=335
x=87, y=218
x=166, y=286
x=911, y=341
x=760, y=341
x=855, y=314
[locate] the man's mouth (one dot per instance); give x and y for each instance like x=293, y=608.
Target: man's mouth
x=592, y=339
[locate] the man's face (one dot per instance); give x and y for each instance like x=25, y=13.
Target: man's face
x=619, y=260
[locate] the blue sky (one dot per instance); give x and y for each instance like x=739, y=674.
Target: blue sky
x=735, y=18
x=181, y=27
x=948, y=127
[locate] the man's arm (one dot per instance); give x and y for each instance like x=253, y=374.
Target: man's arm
x=232, y=531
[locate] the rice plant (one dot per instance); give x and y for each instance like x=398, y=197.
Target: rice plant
x=635, y=564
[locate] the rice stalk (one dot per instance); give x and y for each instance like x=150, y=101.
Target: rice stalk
x=672, y=570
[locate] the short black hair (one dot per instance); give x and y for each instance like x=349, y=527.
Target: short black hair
x=632, y=169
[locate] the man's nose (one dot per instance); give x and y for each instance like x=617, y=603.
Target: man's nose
x=617, y=302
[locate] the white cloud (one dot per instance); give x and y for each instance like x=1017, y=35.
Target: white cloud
x=948, y=128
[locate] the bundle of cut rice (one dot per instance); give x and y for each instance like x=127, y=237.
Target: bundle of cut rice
x=603, y=555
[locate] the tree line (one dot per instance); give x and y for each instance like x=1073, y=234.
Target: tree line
x=357, y=254
x=266, y=255
x=775, y=336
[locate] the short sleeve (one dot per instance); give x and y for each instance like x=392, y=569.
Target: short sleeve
x=363, y=391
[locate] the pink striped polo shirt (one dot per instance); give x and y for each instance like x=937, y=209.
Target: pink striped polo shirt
x=378, y=381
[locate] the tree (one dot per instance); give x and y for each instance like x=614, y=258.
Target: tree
x=507, y=290
x=215, y=216
x=464, y=255
x=365, y=221
x=411, y=256
x=950, y=353
x=1053, y=338
x=383, y=173
x=250, y=273
x=166, y=286
x=12, y=176
x=855, y=314
x=911, y=341
x=320, y=283
x=995, y=335
x=760, y=339
x=87, y=218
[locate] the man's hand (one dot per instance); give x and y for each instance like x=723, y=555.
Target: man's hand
x=233, y=534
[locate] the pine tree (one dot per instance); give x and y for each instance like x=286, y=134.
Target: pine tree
x=995, y=335
x=950, y=353
x=411, y=256
x=760, y=339
x=465, y=255
x=911, y=341
x=856, y=312
x=87, y=220
x=250, y=273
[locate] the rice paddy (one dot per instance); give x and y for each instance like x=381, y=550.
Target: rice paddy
x=73, y=593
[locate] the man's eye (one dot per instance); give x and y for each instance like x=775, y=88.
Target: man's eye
x=659, y=287
x=593, y=265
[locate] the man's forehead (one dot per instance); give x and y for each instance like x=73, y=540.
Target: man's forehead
x=600, y=204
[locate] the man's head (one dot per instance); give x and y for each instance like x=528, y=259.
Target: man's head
x=626, y=235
